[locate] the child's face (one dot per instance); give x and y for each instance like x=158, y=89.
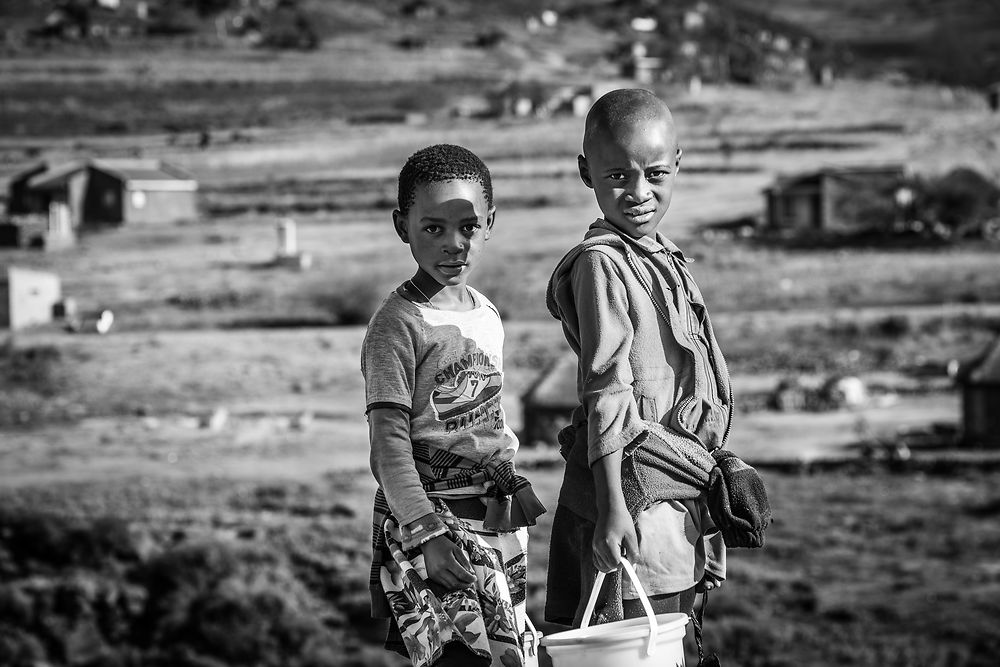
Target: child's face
x=633, y=175
x=446, y=228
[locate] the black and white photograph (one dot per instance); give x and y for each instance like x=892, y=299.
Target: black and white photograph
x=532, y=333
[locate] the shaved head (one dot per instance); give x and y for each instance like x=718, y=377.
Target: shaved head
x=630, y=159
x=617, y=113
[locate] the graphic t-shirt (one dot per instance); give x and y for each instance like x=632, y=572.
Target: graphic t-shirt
x=445, y=368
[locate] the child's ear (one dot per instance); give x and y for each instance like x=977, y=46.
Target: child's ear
x=399, y=224
x=677, y=160
x=491, y=217
x=581, y=163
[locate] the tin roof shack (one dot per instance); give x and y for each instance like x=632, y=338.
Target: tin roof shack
x=102, y=192
x=979, y=379
x=20, y=198
x=548, y=404
x=27, y=297
x=834, y=200
x=23, y=222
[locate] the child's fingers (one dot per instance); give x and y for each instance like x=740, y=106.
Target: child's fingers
x=443, y=577
x=449, y=577
x=630, y=545
x=709, y=582
x=461, y=572
x=606, y=556
x=462, y=558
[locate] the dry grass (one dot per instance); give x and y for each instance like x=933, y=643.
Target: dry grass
x=830, y=586
x=217, y=274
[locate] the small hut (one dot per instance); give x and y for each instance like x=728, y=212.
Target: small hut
x=548, y=404
x=114, y=191
x=979, y=380
x=833, y=199
x=20, y=199
x=27, y=297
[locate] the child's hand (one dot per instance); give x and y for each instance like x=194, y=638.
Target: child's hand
x=709, y=582
x=614, y=536
x=447, y=564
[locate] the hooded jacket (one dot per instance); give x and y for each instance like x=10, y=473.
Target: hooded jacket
x=651, y=377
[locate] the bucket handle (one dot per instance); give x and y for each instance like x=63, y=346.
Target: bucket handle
x=650, y=616
x=530, y=627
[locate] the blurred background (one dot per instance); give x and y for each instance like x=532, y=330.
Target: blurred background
x=196, y=203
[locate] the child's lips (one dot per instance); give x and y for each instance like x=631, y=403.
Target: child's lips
x=640, y=214
x=451, y=268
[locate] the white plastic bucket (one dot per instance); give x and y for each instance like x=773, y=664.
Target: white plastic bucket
x=654, y=640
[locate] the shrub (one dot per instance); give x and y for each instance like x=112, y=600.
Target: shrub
x=894, y=326
x=36, y=368
x=19, y=648
x=236, y=604
x=354, y=302
x=963, y=200
x=289, y=27
x=39, y=542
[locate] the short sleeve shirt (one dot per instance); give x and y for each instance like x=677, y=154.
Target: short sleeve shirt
x=445, y=368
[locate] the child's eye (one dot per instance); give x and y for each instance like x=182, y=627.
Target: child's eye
x=658, y=175
x=471, y=228
x=617, y=177
x=432, y=229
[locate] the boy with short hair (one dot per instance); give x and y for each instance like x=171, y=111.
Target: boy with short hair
x=653, y=385
x=450, y=517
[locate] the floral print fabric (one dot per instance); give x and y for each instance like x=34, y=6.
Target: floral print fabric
x=488, y=616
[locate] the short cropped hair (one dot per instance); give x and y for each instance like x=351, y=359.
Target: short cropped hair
x=438, y=163
x=623, y=108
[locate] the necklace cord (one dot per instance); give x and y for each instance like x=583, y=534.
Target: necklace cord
x=420, y=292
x=428, y=299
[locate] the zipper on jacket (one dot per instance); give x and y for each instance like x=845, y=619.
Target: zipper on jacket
x=718, y=368
x=656, y=305
x=687, y=401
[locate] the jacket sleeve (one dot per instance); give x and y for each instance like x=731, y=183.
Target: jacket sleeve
x=606, y=335
x=392, y=465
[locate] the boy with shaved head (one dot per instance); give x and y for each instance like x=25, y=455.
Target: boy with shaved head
x=653, y=386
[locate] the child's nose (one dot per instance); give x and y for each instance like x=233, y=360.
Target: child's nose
x=638, y=190
x=454, y=244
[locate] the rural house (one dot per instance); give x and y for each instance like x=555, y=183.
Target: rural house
x=80, y=19
x=21, y=199
x=549, y=402
x=979, y=379
x=27, y=297
x=98, y=192
x=834, y=200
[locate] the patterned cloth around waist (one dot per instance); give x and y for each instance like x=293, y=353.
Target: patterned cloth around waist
x=511, y=503
x=487, y=617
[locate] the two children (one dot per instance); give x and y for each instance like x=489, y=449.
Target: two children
x=450, y=512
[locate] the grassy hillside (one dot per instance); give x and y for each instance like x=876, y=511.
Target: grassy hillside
x=956, y=42
x=374, y=61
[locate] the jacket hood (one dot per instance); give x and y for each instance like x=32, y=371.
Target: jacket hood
x=559, y=281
